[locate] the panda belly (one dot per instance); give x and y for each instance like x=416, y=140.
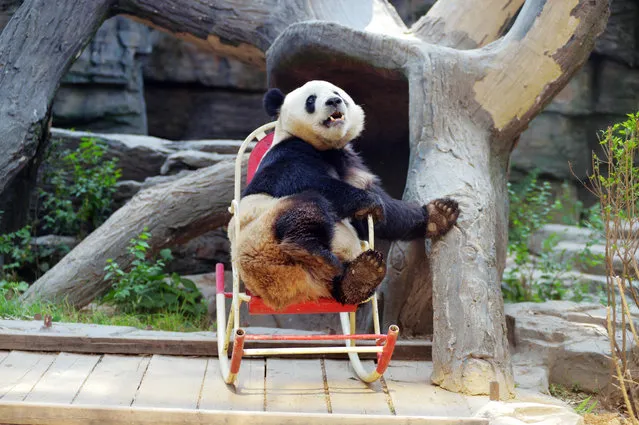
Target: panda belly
x=279, y=271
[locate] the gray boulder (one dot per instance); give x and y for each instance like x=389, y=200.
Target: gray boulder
x=569, y=340
x=104, y=89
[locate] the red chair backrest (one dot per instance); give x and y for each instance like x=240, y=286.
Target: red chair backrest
x=256, y=155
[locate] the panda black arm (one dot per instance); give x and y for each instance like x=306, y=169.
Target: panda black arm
x=403, y=220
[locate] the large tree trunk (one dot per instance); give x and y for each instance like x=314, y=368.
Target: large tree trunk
x=38, y=45
x=461, y=111
x=466, y=108
x=173, y=213
x=407, y=291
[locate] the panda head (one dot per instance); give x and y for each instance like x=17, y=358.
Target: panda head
x=319, y=113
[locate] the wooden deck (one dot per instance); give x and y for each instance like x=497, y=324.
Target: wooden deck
x=70, y=388
x=70, y=374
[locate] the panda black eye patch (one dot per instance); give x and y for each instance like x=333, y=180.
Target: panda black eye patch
x=310, y=104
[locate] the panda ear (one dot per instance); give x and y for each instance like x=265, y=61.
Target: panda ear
x=273, y=100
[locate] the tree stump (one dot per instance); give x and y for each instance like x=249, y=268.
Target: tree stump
x=465, y=110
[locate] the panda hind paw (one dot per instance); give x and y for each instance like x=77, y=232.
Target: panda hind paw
x=361, y=277
x=442, y=215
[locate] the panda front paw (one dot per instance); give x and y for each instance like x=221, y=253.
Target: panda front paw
x=442, y=215
x=374, y=207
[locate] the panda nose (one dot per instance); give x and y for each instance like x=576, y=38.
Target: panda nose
x=333, y=101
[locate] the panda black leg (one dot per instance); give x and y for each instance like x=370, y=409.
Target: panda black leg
x=305, y=230
x=360, y=278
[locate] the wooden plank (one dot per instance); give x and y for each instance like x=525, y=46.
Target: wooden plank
x=349, y=394
x=47, y=414
x=37, y=364
x=294, y=385
x=114, y=380
x=249, y=388
x=17, y=371
x=412, y=393
x=171, y=382
x=130, y=345
x=63, y=379
x=84, y=338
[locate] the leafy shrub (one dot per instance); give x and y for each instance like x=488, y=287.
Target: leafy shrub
x=15, y=248
x=83, y=185
x=82, y=188
x=543, y=277
x=146, y=288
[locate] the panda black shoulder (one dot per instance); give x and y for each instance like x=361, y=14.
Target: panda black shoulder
x=287, y=165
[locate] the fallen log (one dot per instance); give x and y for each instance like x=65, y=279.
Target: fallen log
x=173, y=213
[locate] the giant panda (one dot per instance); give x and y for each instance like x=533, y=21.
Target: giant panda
x=303, y=214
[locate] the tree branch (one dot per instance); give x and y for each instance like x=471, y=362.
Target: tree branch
x=548, y=43
x=465, y=24
x=245, y=30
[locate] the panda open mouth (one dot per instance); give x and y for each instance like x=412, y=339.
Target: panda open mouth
x=335, y=118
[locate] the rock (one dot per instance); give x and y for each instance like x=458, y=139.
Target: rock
x=530, y=372
x=573, y=348
x=562, y=233
x=126, y=189
x=183, y=112
x=216, y=146
x=551, y=141
x=103, y=90
x=618, y=88
x=571, y=251
x=206, y=284
x=619, y=39
x=192, y=160
x=577, y=97
x=138, y=157
x=141, y=157
x=54, y=241
x=102, y=109
x=200, y=255
x=177, y=61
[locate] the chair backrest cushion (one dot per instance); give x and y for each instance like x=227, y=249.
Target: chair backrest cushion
x=256, y=155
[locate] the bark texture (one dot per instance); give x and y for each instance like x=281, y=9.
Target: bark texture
x=479, y=24
x=465, y=110
x=174, y=213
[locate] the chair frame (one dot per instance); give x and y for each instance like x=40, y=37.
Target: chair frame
x=229, y=330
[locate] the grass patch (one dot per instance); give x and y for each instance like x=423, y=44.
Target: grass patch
x=165, y=321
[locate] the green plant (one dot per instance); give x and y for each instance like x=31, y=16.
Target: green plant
x=531, y=207
x=16, y=251
x=615, y=182
x=12, y=289
x=146, y=288
x=545, y=276
x=586, y=406
x=83, y=183
x=14, y=308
